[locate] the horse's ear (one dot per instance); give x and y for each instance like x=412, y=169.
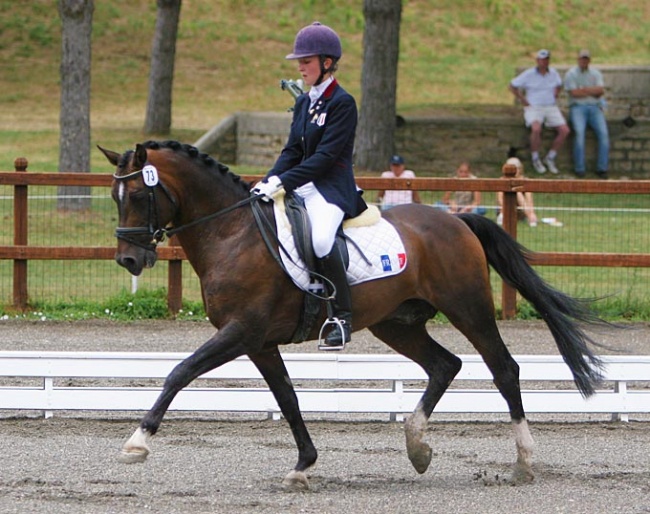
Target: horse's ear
x=140, y=157
x=113, y=157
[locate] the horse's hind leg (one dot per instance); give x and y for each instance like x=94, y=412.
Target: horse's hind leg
x=441, y=366
x=272, y=368
x=483, y=333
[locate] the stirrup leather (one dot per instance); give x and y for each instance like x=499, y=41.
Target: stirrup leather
x=336, y=323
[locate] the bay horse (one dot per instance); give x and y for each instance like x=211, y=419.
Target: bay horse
x=167, y=187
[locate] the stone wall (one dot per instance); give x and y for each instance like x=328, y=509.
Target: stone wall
x=437, y=145
x=434, y=145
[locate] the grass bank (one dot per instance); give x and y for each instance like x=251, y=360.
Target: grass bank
x=230, y=57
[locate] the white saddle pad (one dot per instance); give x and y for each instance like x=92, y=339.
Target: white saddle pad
x=379, y=242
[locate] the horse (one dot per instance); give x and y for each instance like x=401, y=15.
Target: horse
x=166, y=187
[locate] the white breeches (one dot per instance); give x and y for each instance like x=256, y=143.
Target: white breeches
x=325, y=219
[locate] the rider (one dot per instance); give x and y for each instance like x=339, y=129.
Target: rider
x=316, y=162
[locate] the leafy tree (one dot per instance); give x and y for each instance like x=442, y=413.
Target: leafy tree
x=376, y=129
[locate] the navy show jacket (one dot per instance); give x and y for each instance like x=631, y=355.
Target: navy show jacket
x=319, y=149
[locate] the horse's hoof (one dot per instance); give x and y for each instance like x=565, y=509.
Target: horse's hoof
x=521, y=475
x=136, y=449
x=419, y=452
x=296, y=481
x=420, y=456
x=132, y=456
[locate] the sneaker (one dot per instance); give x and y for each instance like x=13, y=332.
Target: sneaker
x=602, y=175
x=550, y=164
x=539, y=167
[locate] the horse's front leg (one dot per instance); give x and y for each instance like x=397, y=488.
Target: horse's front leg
x=272, y=368
x=223, y=347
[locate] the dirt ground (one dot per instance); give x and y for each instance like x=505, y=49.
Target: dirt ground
x=235, y=463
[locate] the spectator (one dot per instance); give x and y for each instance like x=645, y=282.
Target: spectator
x=586, y=88
x=464, y=201
x=525, y=204
x=391, y=198
x=542, y=85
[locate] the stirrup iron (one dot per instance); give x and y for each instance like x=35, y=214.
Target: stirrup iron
x=322, y=345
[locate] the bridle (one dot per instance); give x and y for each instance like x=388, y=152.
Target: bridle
x=153, y=228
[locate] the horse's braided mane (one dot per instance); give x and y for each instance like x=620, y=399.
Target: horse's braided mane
x=196, y=154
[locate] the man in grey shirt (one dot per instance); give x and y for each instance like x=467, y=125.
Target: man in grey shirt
x=542, y=85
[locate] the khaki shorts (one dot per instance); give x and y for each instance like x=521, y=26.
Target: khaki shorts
x=548, y=115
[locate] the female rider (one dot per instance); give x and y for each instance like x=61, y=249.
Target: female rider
x=316, y=162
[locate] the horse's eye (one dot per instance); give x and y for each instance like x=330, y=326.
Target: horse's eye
x=137, y=195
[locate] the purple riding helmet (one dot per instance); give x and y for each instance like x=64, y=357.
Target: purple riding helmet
x=316, y=39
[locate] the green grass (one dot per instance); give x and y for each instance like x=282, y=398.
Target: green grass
x=230, y=57
x=123, y=306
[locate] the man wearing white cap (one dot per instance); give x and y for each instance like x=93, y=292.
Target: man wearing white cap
x=542, y=85
x=586, y=88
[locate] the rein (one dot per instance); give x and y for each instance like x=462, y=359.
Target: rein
x=159, y=234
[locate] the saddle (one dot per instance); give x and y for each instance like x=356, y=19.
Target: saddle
x=301, y=230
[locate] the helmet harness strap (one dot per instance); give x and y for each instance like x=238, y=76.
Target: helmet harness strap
x=323, y=69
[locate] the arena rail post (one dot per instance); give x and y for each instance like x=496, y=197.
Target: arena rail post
x=509, y=293
x=20, y=237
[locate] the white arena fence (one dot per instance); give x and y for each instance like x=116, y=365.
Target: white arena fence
x=325, y=383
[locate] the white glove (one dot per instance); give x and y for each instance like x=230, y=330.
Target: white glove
x=267, y=187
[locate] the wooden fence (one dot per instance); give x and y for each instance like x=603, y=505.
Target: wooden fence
x=21, y=252
x=343, y=383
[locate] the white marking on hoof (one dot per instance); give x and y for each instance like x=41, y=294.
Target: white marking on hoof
x=523, y=472
x=136, y=449
x=296, y=481
x=419, y=452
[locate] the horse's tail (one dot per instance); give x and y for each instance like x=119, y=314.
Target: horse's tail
x=561, y=312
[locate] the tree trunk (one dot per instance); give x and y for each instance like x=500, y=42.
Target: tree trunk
x=376, y=129
x=161, y=77
x=74, y=118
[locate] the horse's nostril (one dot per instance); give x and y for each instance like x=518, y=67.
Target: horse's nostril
x=130, y=263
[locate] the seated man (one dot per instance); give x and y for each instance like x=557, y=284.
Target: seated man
x=542, y=85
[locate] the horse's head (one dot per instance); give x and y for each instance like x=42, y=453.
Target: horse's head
x=145, y=206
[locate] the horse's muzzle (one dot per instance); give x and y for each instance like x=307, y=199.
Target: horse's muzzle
x=136, y=263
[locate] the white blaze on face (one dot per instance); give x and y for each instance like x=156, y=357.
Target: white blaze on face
x=120, y=192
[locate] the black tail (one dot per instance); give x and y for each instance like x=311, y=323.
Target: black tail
x=560, y=311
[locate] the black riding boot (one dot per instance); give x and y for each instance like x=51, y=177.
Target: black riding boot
x=333, y=268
